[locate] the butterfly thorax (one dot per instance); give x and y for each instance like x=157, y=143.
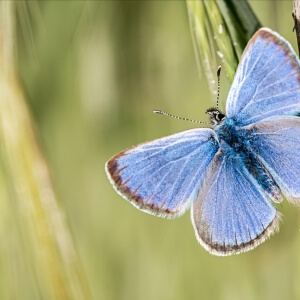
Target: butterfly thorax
x=233, y=135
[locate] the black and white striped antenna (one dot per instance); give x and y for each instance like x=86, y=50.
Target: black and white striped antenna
x=161, y=112
x=218, y=91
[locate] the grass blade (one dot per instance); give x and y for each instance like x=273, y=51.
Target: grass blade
x=221, y=28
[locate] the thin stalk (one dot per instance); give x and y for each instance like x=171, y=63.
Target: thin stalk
x=296, y=16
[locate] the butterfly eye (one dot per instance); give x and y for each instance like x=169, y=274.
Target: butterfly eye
x=215, y=116
x=220, y=117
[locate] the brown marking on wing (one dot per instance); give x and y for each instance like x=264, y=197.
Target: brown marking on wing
x=223, y=249
x=132, y=195
x=270, y=37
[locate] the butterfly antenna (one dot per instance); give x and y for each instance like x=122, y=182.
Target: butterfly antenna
x=161, y=112
x=218, y=94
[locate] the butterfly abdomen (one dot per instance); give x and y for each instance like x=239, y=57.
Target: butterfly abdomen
x=235, y=144
x=262, y=176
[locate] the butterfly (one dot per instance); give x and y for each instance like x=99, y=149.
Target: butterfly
x=229, y=174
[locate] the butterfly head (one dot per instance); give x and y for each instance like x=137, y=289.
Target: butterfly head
x=216, y=117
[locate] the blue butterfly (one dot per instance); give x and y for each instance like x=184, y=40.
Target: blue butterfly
x=230, y=174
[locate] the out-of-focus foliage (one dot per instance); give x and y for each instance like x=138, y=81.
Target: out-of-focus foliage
x=93, y=71
x=39, y=258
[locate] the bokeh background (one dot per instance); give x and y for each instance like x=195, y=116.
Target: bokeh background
x=93, y=72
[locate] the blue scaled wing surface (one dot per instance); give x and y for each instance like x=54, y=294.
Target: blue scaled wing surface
x=163, y=177
x=267, y=80
x=232, y=213
x=277, y=143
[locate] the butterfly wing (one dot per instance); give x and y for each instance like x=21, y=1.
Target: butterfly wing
x=277, y=144
x=232, y=213
x=163, y=177
x=267, y=81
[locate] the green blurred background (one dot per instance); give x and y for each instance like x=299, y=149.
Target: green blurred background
x=93, y=72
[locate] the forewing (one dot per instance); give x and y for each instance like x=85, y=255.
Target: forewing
x=162, y=177
x=277, y=144
x=232, y=213
x=267, y=81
